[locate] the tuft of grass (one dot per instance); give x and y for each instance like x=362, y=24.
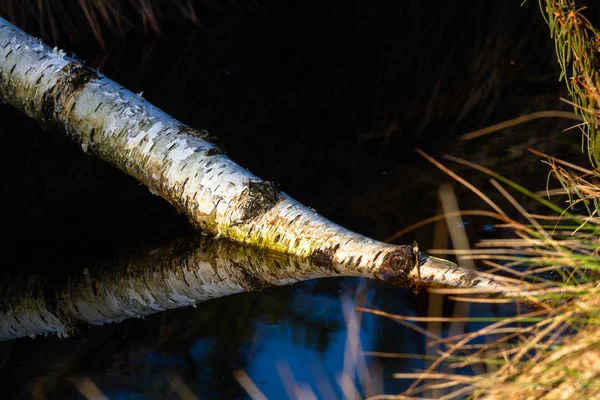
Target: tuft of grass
x=550, y=346
x=577, y=44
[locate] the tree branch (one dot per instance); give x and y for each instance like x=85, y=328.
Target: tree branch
x=181, y=165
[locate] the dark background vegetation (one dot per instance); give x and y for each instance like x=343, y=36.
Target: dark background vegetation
x=329, y=100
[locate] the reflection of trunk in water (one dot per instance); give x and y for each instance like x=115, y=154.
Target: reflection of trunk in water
x=178, y=275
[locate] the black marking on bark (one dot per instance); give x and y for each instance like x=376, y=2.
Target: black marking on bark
x=201, y=133
x=43, y=319
x=250, y=282
x=184, y=278
x=213, y=151
x=52, y=303
x=72, y=79
x=396, y=266
x=206, y=136
x=469, y=279
x=261, y=196
x=57, y=305
x=322, y=258
x=13, y=68
x=325, y=258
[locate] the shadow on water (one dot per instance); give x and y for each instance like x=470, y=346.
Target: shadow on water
x=327, y=101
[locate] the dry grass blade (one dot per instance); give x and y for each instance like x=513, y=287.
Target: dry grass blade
x=518, y=187
x=454, y=220
x=250, y=387
x=414, y=319
x=586, y=171
x=464, y=182
x=88, y=389
x=459, y=378
x=520, y=120
x=182, y=390
x=435, y=218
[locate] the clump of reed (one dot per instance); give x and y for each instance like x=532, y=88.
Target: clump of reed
x=550, y=346
x=577, y=44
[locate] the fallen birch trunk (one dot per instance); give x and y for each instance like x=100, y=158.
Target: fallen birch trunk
x=181, y=165
x=150, y=280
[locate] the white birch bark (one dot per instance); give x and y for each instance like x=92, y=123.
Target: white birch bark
x=181, y=165
x=148, y=281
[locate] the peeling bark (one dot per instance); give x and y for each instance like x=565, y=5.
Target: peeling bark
x=150, y=280
x=181, y=164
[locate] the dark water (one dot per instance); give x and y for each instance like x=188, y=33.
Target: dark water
x=301, y=327
x=327, y=101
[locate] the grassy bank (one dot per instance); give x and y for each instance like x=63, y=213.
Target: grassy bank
x=549, y=347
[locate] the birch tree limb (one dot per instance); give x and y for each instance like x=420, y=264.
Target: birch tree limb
x=181, y=165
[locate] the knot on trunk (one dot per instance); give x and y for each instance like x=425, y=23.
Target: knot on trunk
x=396, y=266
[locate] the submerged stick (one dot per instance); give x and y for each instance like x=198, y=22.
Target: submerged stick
x=181, y=164
x=150, y=280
